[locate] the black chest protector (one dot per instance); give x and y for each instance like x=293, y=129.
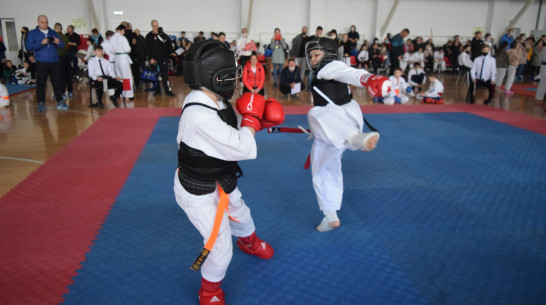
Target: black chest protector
x=338, y=92
x=199, y=173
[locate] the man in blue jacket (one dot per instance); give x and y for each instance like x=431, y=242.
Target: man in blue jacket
x=44, y=42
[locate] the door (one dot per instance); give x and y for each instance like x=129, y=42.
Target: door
x=8, y=31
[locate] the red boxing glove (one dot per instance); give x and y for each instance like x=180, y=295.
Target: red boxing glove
x=273, y=114
x=377, y=85
x=251, y=107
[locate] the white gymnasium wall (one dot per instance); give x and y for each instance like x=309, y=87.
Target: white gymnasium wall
x=445, y=17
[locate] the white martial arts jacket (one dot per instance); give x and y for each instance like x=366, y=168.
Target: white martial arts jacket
x=201, y=128
x=436, y=89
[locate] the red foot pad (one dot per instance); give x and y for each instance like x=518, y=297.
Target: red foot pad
x=215, y=297
x=257, y=247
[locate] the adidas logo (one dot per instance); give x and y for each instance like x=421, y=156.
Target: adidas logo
x=214, y=299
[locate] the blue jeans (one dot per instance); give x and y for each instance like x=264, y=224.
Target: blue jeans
x=276, y=72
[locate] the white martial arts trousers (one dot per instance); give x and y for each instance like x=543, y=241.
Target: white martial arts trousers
x=331, y=125
x=201, y=211
x=123, y=70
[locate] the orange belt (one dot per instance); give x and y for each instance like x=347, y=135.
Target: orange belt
x=222, y=206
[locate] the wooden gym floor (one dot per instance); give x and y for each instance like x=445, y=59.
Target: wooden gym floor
x=29, y=138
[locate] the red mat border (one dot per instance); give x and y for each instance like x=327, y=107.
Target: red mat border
x=50, y=219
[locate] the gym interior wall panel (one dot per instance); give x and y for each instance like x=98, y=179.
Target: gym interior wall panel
x=341, y=14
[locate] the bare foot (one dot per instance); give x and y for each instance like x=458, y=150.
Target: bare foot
x=371, y=143
x=325, y=226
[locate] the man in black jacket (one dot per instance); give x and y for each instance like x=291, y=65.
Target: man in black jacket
x=138, y=55
x=476, y=45
x=158, y=47
x=73, y=43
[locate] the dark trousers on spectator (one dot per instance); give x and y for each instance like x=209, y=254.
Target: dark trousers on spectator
x=286, y=89
x=243, y=60
x=480, y=84
x=64, y=61
x=43, y=71
x=261, y=92
x=112, y=84
x=164, y=72
x=395, y=63
x=73, y=64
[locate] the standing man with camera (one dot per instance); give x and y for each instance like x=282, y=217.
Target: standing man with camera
x=158, y=46
x=44, y=42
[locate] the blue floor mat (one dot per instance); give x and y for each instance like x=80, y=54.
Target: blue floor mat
x=449, y=209
x=14, y=89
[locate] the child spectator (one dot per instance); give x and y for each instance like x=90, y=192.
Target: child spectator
x=290, y=77
x=399, y=88
x=416, y=77
x=501, y=59
x=439, y=61
x=434, y=93
x=483, y=75
x=514, y=55
x=9, y=73
x=101, y=69
x=419, y=57
x=407, y=60
x=363, y=57
x=90, y=48
x=24, y=75
x=377, y=58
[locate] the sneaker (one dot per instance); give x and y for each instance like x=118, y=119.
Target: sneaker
x=62, y=106
x=259, y=248
x=170, y=93
x=211, y=297
x=508, y=92
x=41, y=107
x=93, y=106
x=293, y=96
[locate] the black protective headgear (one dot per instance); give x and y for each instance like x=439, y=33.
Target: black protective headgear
x=211, y=65
x=328, y=46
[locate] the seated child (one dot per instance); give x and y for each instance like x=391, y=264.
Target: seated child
x=416, y=77
x=9, y=73
x=439, y=61
x=101, y=69
x=399, y=89
x=363, y=57
x=24, y=75
x=434, y=93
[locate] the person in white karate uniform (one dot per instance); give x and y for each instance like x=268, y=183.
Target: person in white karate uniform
x=336, y=122
x=211, y=140
x=121, y=48
x=399, y=90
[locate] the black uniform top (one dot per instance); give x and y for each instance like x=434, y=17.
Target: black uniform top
x=74, y=37
x=476, y=48
x=158, y=45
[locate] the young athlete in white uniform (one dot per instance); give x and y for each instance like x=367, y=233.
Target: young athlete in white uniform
x=336, y=122
x=210, y=144
x=121, y=48
x=399, y=89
